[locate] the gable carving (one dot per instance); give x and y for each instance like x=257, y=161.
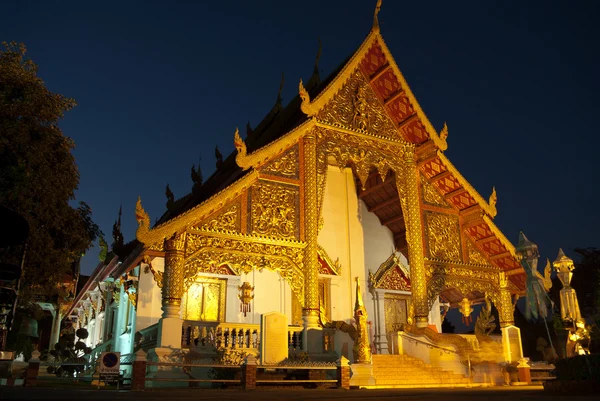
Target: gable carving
x=474, y=255
x=286, y=165
x=430, y=195
x=355, y=106
x=227, y=219
x=443, y=238
x=274, y=210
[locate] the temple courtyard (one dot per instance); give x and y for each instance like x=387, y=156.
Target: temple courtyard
x=490, y=394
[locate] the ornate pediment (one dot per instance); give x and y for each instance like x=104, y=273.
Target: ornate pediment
x=391, y=275
x=474, y=255
x=356, y=107
x=327, y=265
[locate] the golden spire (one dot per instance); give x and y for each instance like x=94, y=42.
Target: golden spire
x=492, y=202
x=375, y=19
x=238, y=142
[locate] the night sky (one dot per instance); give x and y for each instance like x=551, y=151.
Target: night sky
x=159, y=84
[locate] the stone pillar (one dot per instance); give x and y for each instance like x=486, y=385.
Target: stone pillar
x=313, y=338
x=138, y=375
x=524, y=371
x=381, y=340
x=249, y=373
x=408, y=188
x=169, y=330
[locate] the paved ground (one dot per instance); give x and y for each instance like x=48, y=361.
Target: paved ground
x=487, y=394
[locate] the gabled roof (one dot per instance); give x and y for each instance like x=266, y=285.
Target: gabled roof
x=384, y=78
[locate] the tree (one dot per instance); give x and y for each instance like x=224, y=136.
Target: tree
x=38, y=175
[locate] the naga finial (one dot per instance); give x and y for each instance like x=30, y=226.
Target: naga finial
x=142, y=218
x=444, y=132
x=239, y=144
x=305, y=106
x=375, y=19
x=492, y=201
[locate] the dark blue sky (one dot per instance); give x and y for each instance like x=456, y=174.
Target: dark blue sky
x=159, y=84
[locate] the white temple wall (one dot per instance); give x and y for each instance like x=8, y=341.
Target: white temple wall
x=342, y=237
x=149, y=302
x=271, y=294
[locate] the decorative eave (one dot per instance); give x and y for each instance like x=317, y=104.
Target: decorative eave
x=488, y=209
x=272, y=149
x=180, y=223
x=496, y=231
x=260, y=239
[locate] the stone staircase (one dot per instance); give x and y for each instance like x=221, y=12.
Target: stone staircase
x=403, y=371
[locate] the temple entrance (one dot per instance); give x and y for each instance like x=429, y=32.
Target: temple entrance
x=205, y=300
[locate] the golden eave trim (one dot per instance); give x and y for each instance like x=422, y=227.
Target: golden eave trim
x=361, y=135
x=487, y=208
x=270, y=150
x=180, y=223
x=248, y=238
x=496, y=231
x=471, y=266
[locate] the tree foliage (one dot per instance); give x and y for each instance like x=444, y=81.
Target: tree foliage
x=38, y=174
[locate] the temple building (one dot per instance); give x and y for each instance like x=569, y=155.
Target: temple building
x=349, y=180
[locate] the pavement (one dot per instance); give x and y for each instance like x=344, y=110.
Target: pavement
x=525, y=393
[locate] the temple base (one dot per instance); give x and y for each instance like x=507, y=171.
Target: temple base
x=169, y=376
x=361, y=375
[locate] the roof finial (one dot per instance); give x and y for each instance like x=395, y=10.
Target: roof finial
x=314, y=79
x=375, y=19
x=279, y=98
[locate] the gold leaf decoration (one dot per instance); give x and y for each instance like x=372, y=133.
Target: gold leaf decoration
x=274, y=210
x=443, y=237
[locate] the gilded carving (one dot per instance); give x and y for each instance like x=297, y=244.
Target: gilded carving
x=228, y=220
x=431, y=195
x=443, y=236
x=274, y=210
x=285, y=165
x=475, y=255
x=242, y=256
x=407, y=183
x=311, y=224
x=362, y=153
x=355, y=106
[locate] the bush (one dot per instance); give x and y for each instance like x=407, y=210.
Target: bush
x=580, y=367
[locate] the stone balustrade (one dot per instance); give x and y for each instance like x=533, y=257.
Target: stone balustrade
x=231, y=335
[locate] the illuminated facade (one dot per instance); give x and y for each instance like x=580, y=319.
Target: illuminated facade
x=349, y=180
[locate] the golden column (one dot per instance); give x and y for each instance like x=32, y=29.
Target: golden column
x=409, y=189
x=310, y=311
x=172, y=291
x=505, y=305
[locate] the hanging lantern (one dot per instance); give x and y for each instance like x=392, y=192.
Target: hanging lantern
x=465, y=309
x=245, y=296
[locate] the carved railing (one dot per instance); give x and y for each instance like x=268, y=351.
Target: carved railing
x=231, y=336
